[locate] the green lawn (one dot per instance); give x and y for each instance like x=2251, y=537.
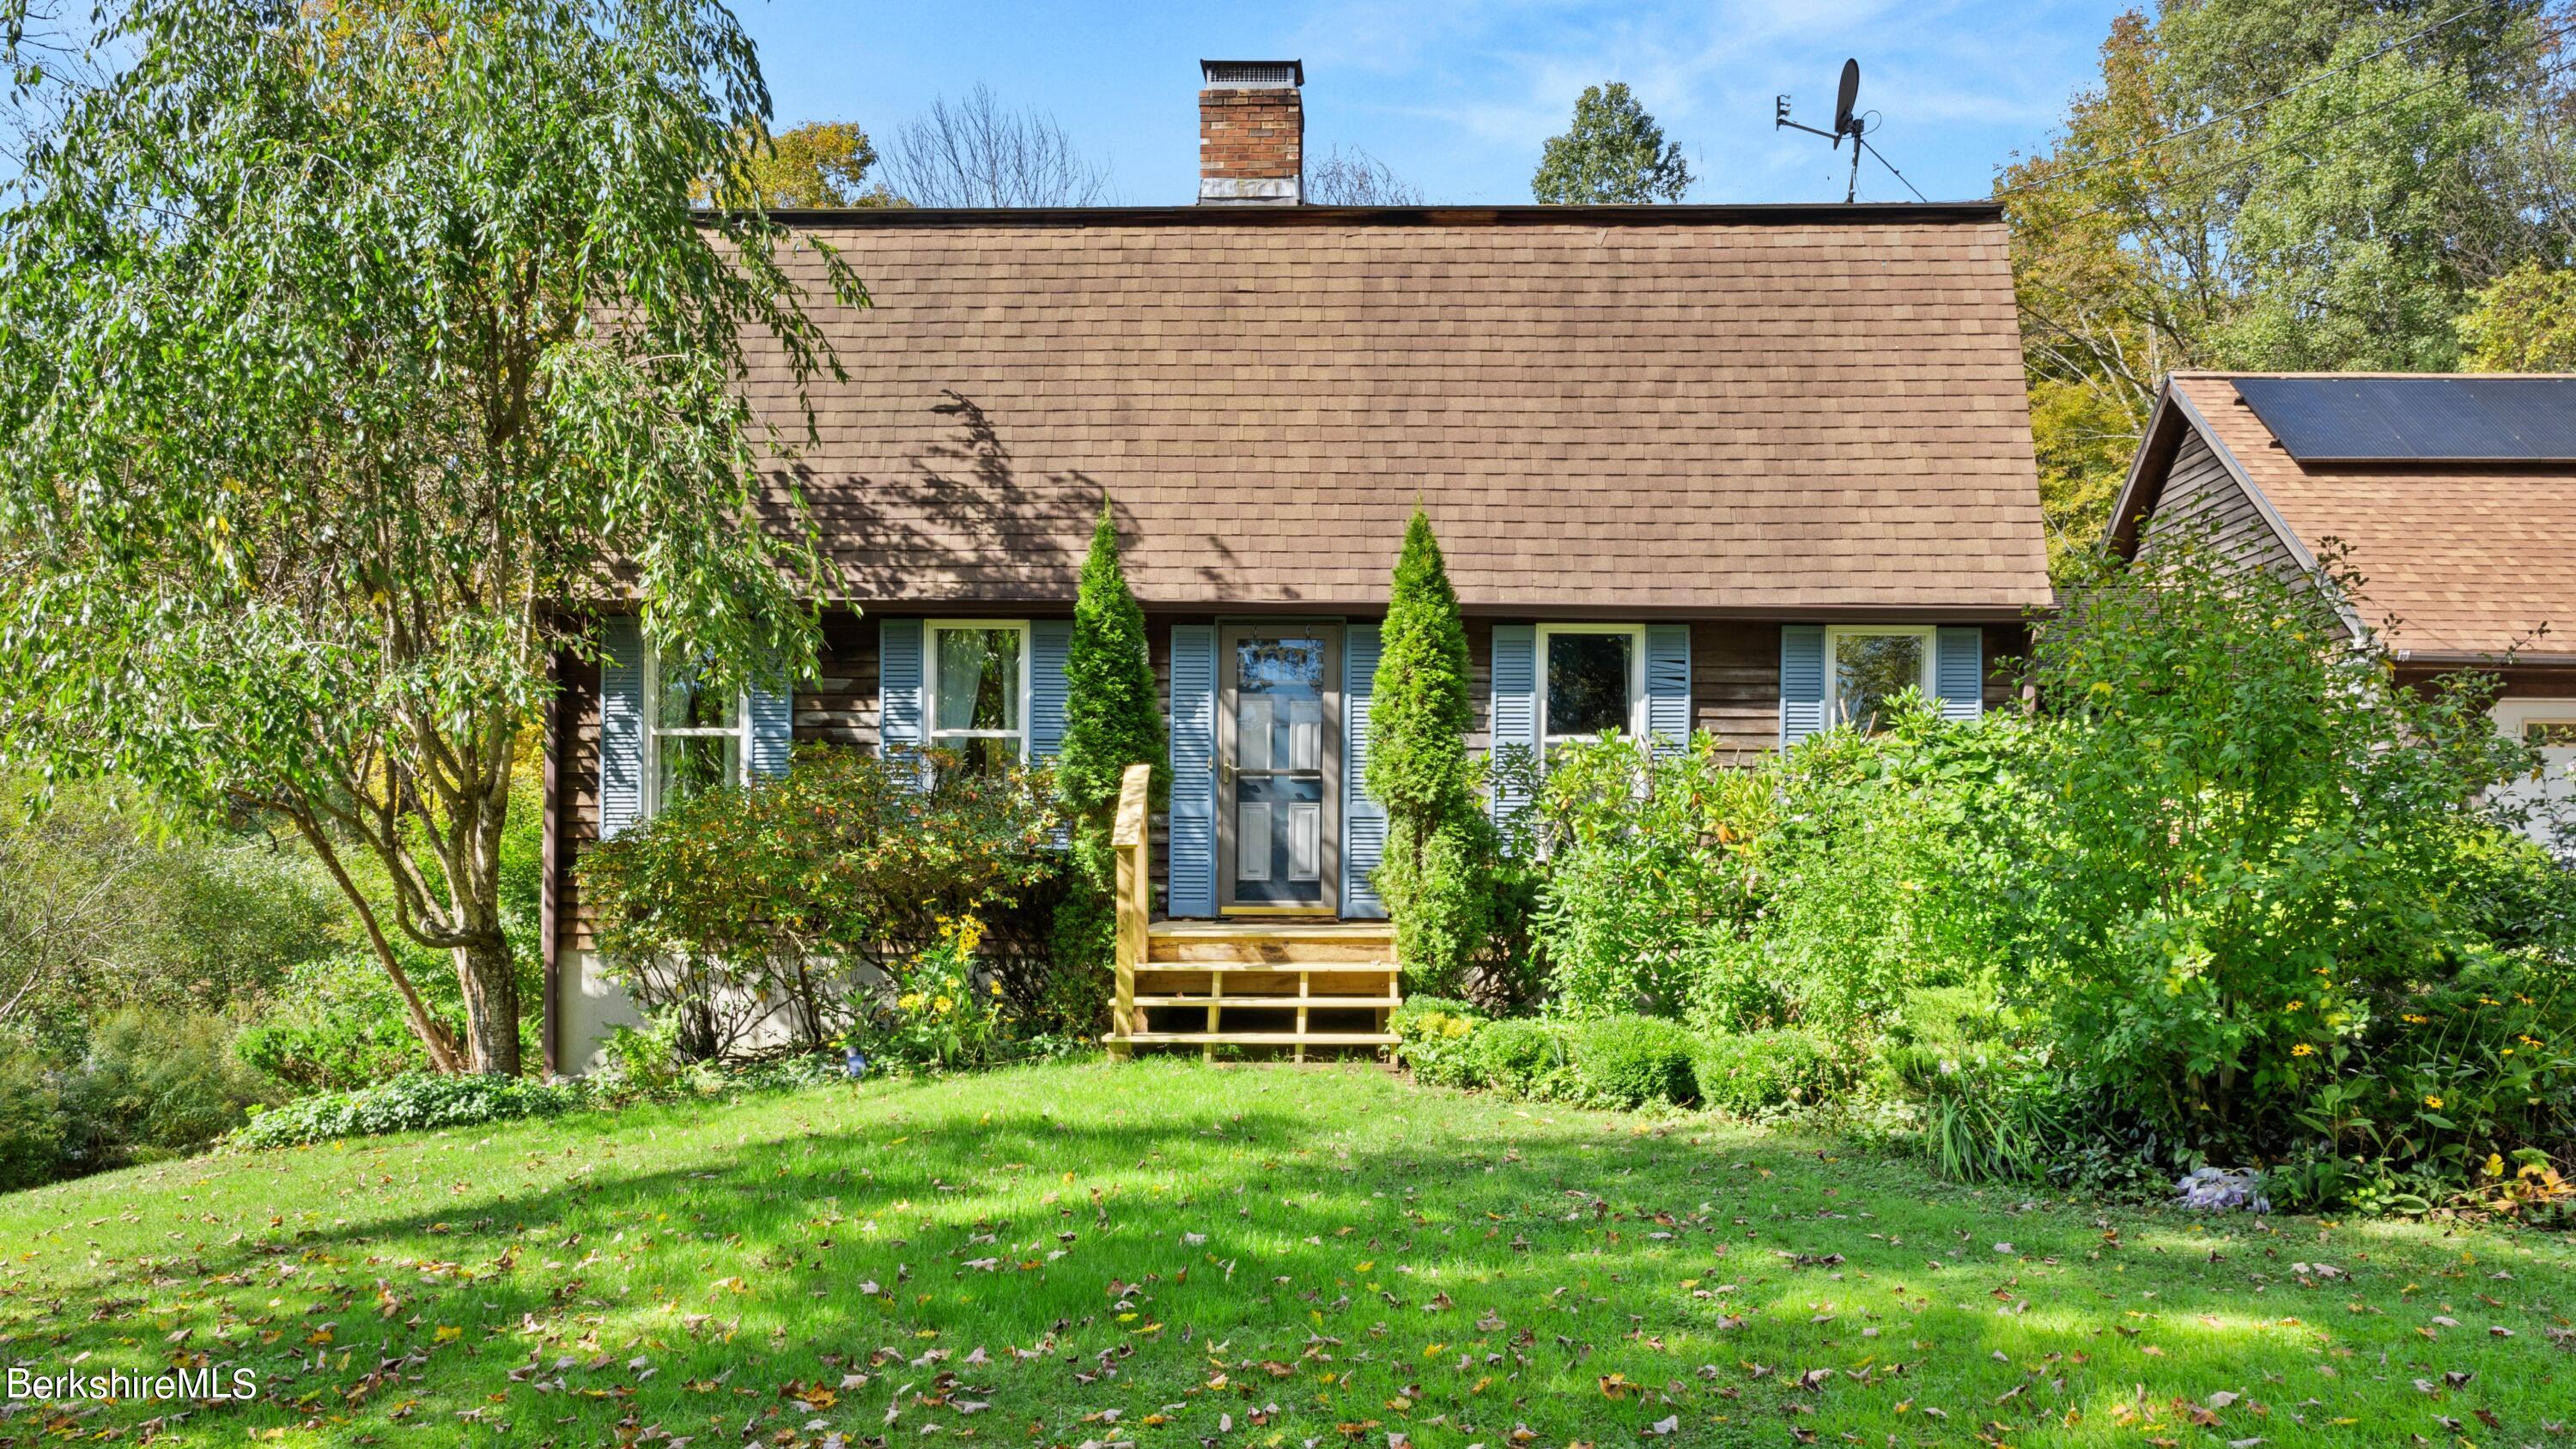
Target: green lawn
x=1169, y=1254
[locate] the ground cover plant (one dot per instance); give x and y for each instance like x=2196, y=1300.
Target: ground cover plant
x=1165, y=1254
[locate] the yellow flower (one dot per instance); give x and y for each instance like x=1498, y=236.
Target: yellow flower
x=2293, y=1006
x=997, y=987
x=2413, y=1020
x=2303, y=1050
x=941, y=1005
x=2495, y=1165
x=2435, y=1102
x=909, y=1001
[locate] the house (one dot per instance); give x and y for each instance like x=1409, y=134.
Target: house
x=1746, y=469
x=2454, y=497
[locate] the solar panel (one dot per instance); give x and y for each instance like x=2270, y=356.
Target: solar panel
x=2418, y=419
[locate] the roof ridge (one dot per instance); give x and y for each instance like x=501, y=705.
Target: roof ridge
x=1801, y=213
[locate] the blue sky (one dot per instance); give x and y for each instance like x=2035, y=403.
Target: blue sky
x=1458, y=97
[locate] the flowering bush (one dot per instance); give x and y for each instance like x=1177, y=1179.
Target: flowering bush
x=785, y=901
x=941, y=1017
x=2269, y=898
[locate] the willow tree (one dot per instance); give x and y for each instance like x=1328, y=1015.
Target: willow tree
x=342, y=346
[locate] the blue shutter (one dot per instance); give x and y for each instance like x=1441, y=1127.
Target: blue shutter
x=1959, y=671
x=621, y=725
x=1668, y=686
x=1515, y=713
x=1802, y=681
x=1363, y=819
x=1050, y=645
x=773, y=728
x=899, y=717
x=1192, y=845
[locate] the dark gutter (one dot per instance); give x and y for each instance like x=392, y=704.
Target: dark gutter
x=1802, y=213
x=2473, y=659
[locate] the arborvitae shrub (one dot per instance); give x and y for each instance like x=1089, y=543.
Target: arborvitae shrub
x=1112, y=719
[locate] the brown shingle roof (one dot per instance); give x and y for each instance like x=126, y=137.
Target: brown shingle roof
x=1687, y=409
x=2468, y=558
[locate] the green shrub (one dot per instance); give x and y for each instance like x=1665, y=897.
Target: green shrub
x=31, y=1126
x=1113, y=718
x=2272, y=903
x=338, y=1023
x=1433, y=1037
x=412, y=1103
x=1648, y=883
x=1633, y=1061
x=156, y=1084
x=814, y=894
x=1525, y=1058
x=1755, y=1074
x=1897, y=861
x=1437, y=876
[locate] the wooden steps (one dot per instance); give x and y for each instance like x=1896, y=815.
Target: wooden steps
x=1336, y=981
x=1335, y=1003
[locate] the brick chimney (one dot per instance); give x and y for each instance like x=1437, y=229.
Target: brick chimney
x=1252, y=133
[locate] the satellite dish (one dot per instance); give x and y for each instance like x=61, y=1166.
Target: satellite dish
x=1844, y=99
x=1847, y=122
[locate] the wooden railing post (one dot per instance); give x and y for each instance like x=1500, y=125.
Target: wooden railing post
x=1128, y=842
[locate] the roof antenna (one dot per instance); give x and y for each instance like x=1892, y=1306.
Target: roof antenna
x=1847, y=122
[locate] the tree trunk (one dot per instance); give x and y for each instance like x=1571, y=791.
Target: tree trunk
x=491, y=982
x=434, y=1037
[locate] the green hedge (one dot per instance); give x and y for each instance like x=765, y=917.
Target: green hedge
x=1763, y=1071
x=1634, y=1061
x=1525, y=1058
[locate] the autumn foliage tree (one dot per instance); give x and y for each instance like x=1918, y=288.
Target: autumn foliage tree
x=342, y=347
x=2275, y=186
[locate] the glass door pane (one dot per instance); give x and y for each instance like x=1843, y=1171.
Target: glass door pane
x=1278, y=813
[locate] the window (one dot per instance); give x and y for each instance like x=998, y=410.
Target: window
x=699, y=738
x=2549, y=734
x=1593, y=682
x=979, y=692
x=1871, y=664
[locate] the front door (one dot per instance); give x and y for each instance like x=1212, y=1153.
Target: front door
x=1278, y=768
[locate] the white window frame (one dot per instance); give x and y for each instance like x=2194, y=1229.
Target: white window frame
x=931, y=734
x=1836, y=633
x=1636, y=636
x=655, y=733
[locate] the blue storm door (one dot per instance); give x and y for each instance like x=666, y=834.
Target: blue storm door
x=1279, y=762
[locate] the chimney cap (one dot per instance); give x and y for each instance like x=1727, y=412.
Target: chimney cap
x=1252, y=74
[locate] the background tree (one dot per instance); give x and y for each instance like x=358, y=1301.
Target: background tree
x=2525, y=321
x=1614, y=152
x=978, y=152
x=1112, y=719
x=821, y=164
x=1439, y=842
x=2269, y=185
x=1356, y=178
x=312, y=410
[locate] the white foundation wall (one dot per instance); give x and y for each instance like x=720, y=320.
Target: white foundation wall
x=590, y=1005
x=2553, y=794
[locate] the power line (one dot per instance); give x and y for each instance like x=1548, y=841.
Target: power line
x=2246, y=110
x=2238, y=161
